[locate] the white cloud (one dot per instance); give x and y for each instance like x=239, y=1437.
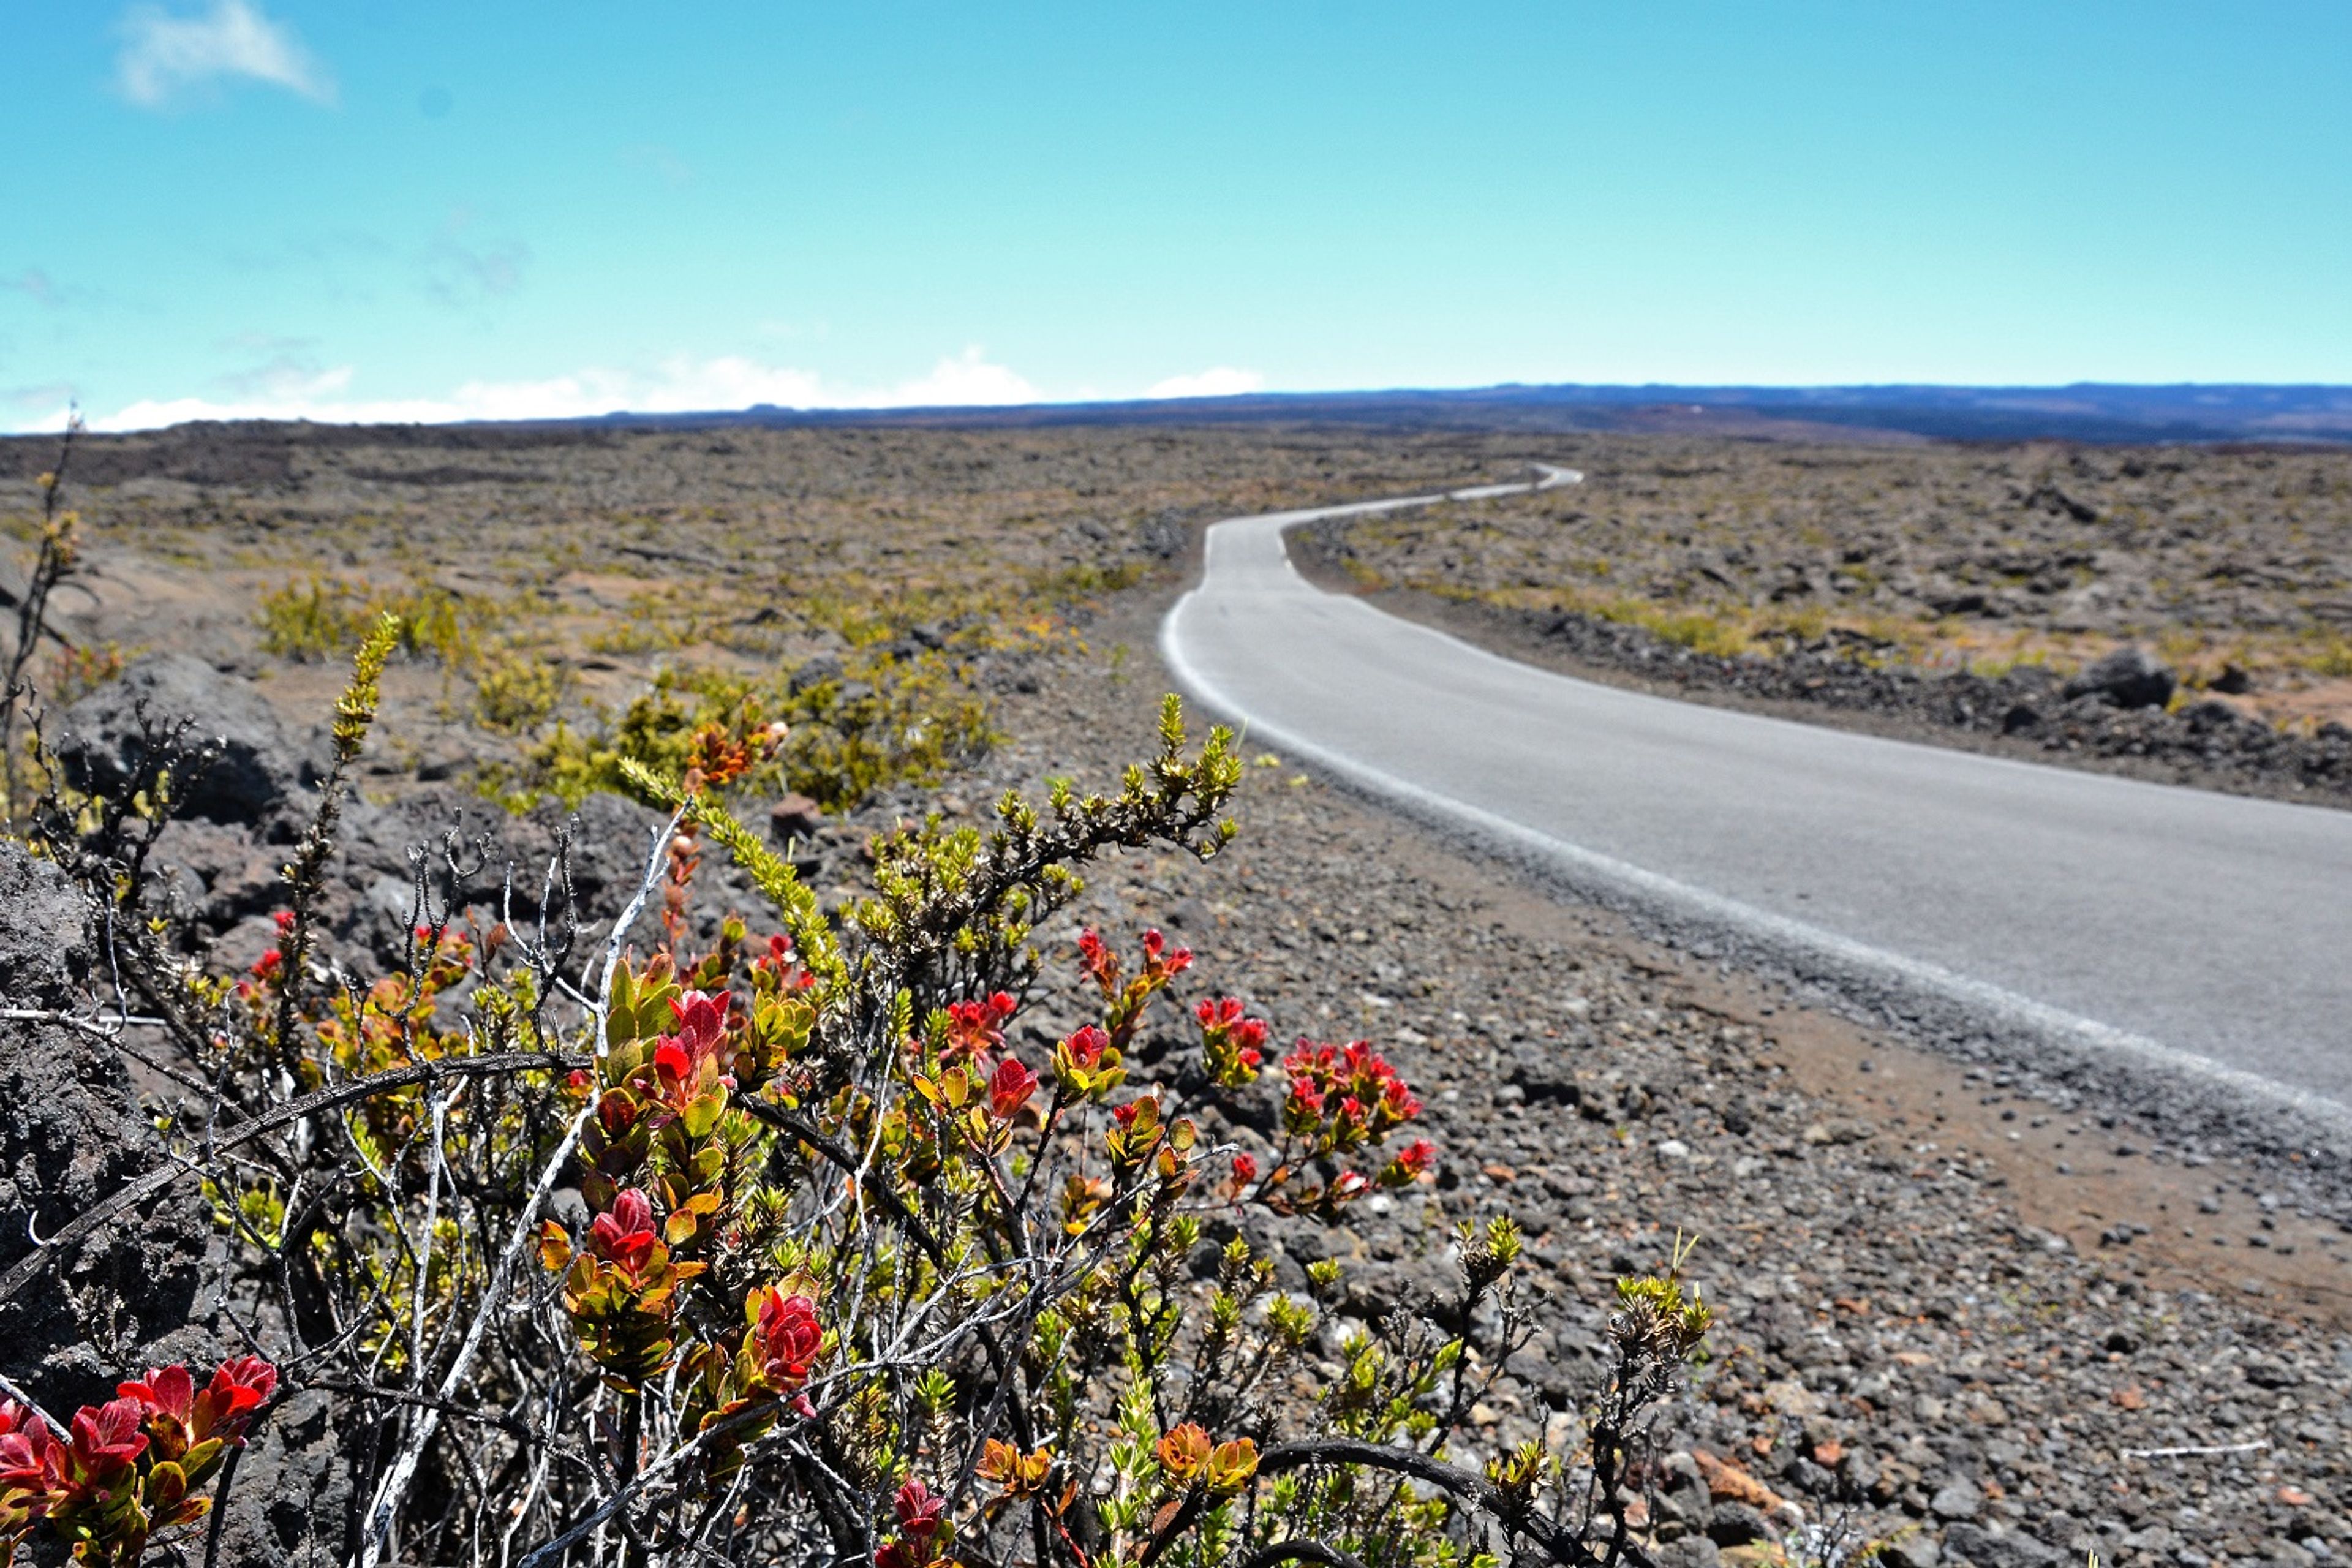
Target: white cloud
x=966, y=381
x=49, y=423
x=164, y=55
x=289, y=386
x=1222, y=382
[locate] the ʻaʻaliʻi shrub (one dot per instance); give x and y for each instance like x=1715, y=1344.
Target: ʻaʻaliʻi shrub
x=516, y=692
x=324, y=617
x=788, y=1246
x=56, y=553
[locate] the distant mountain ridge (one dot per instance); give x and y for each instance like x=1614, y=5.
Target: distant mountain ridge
x=2096, y=412
x=2086, y=411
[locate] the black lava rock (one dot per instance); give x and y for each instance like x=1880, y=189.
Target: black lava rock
x=2127, y=677
x=259, y=773
x=74, y=1136
x=1737, y=1524
x=817, y=671
x=1983, y=1548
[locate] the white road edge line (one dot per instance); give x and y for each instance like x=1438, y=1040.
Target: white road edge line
x=1589, y=871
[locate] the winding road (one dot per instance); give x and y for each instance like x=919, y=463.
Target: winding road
x=2200, y=937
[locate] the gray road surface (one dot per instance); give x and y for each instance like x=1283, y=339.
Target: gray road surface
x=2176, y=930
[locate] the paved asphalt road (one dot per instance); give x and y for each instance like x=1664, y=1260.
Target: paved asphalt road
x=2146, y=925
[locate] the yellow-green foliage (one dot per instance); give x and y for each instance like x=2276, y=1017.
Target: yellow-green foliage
x=355, y=709
x=1730, y=630
x=75, y=672
x=326, y=617
x=2332, y=656
x=1086, y=580
x=1992, y=666
x=819, y=952
x=516, y=692
x=887, y=721
x=1725, y=633
x=1700, y=630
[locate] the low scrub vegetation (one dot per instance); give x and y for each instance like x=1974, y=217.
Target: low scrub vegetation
x=329, y=617
x=851, y=1266
x=1932, y=556
x=836, y=738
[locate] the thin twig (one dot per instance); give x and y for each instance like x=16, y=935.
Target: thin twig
x=1313, y=1551
x=28, y=1268
x=104, y=1031
x=54, y=560
x=384, y=1507
x=31, y=1403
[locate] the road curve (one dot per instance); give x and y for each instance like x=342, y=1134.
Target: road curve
x=2141, y=924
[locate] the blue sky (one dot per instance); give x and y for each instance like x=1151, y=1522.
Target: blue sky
x=403, y=208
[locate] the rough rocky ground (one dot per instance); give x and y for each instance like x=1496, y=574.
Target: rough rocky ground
x=1945, y=1310
x=1963, y=594
x=2019, y=548
x=1937, y=590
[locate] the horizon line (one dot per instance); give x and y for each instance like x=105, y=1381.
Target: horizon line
x=2177, y=410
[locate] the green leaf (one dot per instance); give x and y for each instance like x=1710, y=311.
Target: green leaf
x=198, y=1463
x=621, y=1023
x=166, y=1485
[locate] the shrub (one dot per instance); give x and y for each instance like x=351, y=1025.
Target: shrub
x=128, y=1467
x=1085, y=580
x=325, y=616
x=2330, y=657
x=852, y=1274
x=516, y=692
x=887, y=720
x=55, y=554
x=75, y=672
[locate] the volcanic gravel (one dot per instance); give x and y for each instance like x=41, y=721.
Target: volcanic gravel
x=1900, y=1352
